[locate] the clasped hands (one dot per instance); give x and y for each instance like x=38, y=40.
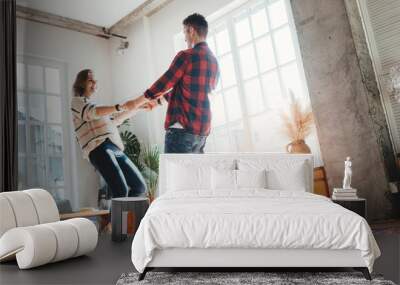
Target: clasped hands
x=141, y=102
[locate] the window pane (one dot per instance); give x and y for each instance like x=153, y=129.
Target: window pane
x=227, y=71
x=238, y=137
x=52, y=77
x=291, y=80
x=272, y=89
x=210, y=144
x=284, y=45
x=36, y=172
x=54, y=139
x=254, y=97
x=21, y=106
x=222, y=40
x=267, y=133
x=259, y=22
x=35, y=78
x=243, y=32
x=20, y=76
x=22, y=173
x=218, y=87
x=248, y=61
x=36, y=108
x=265, y=54
x=56, y=172
x=37, y=139
x=21, y=138
x=53, y=109
x=217, y=109
x=211, y=44
x=221, y=140
x=233, y=104
x=277, y=13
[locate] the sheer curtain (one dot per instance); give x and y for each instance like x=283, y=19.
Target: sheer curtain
x=8, y=99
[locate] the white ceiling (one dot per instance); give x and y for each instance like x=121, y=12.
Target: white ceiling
x=103, y=13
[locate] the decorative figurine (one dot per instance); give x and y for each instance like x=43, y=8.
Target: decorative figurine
x=347, y=174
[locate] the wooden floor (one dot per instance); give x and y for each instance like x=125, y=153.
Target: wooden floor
x=392, y=226
x=103, y=266
x=110, y=260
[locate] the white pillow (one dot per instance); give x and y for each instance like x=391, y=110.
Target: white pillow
x=223, y=179
x=183, y=177
x=251, y=178
x=282, y=174
x=293, y=180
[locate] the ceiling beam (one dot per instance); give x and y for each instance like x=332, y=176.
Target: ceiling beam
x=147, y=8
x=62, y=22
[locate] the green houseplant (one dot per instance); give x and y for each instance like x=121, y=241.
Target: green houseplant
x=150, y=158
x=146, y=159
x=132, y=147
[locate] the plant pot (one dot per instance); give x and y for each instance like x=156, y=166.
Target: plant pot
x=151, y=198
x=298, y=146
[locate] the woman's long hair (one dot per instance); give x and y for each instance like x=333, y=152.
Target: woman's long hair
x=80, y=82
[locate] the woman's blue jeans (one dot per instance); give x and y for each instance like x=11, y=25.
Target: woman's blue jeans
x=119, y=172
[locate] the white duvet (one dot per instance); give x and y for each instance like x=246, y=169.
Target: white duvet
x=252, y=218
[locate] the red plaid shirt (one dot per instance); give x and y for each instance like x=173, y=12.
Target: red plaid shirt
x=192, y=75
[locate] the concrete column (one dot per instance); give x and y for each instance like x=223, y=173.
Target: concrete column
x=339, y=100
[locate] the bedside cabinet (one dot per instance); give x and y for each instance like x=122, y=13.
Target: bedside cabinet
x=358, y=205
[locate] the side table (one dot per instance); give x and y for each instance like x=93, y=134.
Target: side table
x=357, y=205
x=126, y=214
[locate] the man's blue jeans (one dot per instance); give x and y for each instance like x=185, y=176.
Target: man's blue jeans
x=119, y=172
x=180, y=141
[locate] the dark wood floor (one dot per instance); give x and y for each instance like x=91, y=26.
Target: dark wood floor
x=103, y=266
x=110, y=260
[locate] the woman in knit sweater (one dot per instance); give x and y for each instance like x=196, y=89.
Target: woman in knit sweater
x=97, y=134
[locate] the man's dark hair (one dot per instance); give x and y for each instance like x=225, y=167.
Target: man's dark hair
x=198, y=22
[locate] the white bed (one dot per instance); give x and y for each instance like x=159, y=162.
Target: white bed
x=212, y=211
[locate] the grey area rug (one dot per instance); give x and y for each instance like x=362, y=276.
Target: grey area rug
x=229, y=278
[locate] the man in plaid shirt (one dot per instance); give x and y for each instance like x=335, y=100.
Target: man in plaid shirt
x=186, y=84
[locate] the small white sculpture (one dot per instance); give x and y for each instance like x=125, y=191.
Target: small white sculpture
x=347, y=174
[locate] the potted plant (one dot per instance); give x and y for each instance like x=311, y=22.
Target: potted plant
x=146, y=159
x=297, y=126
x=132, y=147
x=150, y=158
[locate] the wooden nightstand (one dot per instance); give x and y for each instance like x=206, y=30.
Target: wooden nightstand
x=358, y=205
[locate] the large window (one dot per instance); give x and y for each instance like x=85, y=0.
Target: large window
x=259, y=61
x=41, y=124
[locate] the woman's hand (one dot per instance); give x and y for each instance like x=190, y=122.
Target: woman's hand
x=134, y=104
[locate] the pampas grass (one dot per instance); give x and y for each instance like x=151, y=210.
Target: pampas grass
x=297, y=124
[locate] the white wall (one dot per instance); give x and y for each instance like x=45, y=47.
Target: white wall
x=78, y=51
